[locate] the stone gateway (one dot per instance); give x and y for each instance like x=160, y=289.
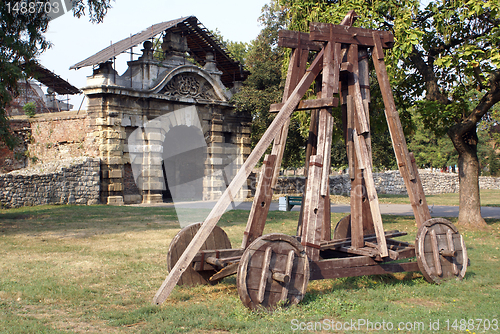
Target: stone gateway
x=166, y=128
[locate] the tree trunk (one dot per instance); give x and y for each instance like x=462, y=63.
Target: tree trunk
x=468, y=176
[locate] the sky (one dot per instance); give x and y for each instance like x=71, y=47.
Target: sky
x=76, y=39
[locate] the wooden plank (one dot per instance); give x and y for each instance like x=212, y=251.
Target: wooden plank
x=221, y=253
x=330, y=102
x=288, y=271
x=380, y=269
x=357, y=189
x=406, y=163
x=260, y=206
x=371, y=193
x=325, y=177
x=354, y=90
x=294, y=39
x=329, y=85
x=238, y=181
x=225, y=272
x=451, y=248
x=417, y=199
x=296, y=69
x=311, y=233
x=310, y=150
x=393, y=121
x=264, y=274
x=335, y=244
x=337, y=59
x=326, y=32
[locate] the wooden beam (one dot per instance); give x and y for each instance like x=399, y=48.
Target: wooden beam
x=312, y=220
x=296, y=69
x=326, y=32
x=324, y=269
x=371, y=192
x=260, y=206
x=238, y=181
x=406, y=163
x=330, y=102
x=294, y=39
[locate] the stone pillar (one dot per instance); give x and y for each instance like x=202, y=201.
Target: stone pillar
x=112, y=136
x=152, y=172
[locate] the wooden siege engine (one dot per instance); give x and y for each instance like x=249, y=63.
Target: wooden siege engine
x=276, y=268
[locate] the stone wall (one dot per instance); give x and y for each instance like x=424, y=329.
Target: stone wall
x=390, y=183
x=70, y=181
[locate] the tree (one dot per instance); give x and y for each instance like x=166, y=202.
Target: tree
x=264, y=86
x=441, y=52
x=457, y=58
x=22, y=39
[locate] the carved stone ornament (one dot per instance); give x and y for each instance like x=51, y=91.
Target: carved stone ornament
x=185, y=85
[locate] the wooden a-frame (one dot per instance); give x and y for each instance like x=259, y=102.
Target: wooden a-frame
x=342, y=52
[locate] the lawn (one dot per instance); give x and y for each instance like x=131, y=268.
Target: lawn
x=78, y=269
x=489, y=197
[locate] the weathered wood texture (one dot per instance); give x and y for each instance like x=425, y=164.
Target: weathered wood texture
x=330, y=102
x=313, y=218
x=262, y=200
x=238, y=181
x=440, y=250
x=273, y=268
x=346, y=267
x=407, y=168
x=217, y=239
x=326, y=32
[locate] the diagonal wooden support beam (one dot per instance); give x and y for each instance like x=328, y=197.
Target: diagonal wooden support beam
x=238, y=181
x=406, y=163
x=362, y=155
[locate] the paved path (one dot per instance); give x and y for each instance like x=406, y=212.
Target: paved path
x=394, y=209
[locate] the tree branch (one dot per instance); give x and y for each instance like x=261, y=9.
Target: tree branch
x=485, y=104
x=426, y=70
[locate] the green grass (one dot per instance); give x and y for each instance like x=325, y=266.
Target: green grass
x=489, y=197
x=76, y=269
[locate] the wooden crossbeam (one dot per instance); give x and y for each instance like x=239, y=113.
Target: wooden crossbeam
x=327, y=32
x=297, y=40
x=330, y=102
x=238, y=181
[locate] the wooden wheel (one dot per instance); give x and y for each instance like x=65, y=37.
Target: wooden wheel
x=343, y=228
x=218, y=239
x=440, y=251
x=273, y=269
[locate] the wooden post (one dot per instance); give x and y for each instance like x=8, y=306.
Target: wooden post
x=238, y=181
x=261, y=201
x=312, y=221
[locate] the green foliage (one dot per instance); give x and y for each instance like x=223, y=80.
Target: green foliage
x=237, y=50
x=21, y=41
x=30, y=109
x=264, y=86
x=431, y=150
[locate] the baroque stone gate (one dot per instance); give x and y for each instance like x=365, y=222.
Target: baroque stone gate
x=166, y=128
